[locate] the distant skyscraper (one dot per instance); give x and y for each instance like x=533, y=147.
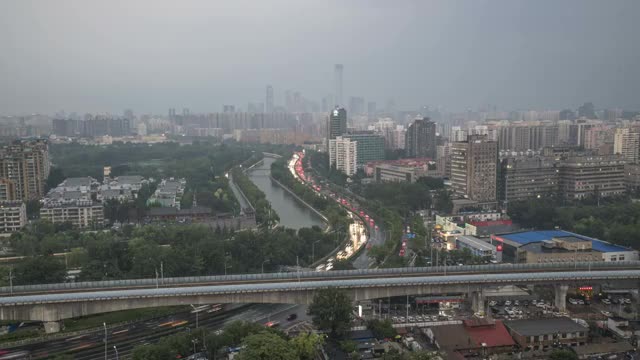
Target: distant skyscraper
x=337, y=73
x=421, y=139
x=356, y=105
x=343, y=154
x=371, y=109
x=269, y=101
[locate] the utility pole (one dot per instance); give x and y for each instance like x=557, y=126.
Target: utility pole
x=162, y=271
x=11, y=280
x=116, y=350
x=104, y=324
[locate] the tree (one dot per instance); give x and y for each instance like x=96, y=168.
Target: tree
x=382, y=329
x=343, y=265
x=306, y=345
x=40, y=270
x=563, y=354
x=331, y=311
x=266, y=346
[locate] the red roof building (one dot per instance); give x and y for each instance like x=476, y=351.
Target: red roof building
x=477, y=336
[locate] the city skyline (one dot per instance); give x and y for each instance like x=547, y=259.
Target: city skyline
x=456, y=56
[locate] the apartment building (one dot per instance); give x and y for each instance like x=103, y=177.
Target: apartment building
x=13, y=216
x=343, y=154
x=80, y=213
x=585, y=176
x=474, y=169
x=24, y=163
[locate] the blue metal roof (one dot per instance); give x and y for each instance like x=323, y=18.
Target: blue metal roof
x=528, y=237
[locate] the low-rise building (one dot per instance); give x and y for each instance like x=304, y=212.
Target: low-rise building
x=625, y=328
x=82, y=213
x=476, y=336
x=479, y=247
x=13, y=216
x=513, y=243
x=562, y=249
x=169, y=193
x=542, y=334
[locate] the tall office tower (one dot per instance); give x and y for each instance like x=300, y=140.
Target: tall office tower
x=474, y=165
x=421, y=139
x=269, y=100
x=228, y=108
x=24, y=166
x=626, y=142
x=185, y=112
x=172, y=113
x=371, y=109
x=337, y=123
x=343, y=154
x=337, y=74
x=356, y=105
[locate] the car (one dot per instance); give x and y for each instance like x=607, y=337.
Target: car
x=606, y=313
x=401, y=319
x=525, y=303
x=394, y=319
x=627, y=301
x=507, y=303
x=606, y=301
x=534, y=301
x=573, y=301
x=292, y=317
x=412, y=319
x=516, y=303
x=272, y=324
x=419, y=318
x=492, y=303
x=580, y=301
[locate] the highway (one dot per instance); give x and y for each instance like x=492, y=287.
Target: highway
x=127, y=337
x=311, y=276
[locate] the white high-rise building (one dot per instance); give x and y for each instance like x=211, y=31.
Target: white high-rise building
x=343, y=154
x=626, y=142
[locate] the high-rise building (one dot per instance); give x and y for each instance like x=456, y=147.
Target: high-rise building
x=626, y=142
x=25, y=165
x=371, y=109
x=527, y=177
x=337, y=73
x=356, y=105
x=370, y=146
x=598, y=176
x=337, y=123
x=343, y=154
x=269, y=99
x=474, y=169
x=421, y=139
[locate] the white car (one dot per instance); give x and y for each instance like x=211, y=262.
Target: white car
x=606, y=313
x=412, y=319
x=516, y=303
x=573, y=301
x=606, y=301
x=419, y=318
x=627, y=301
x=507, y=303
x=580, y=301
x=493, y=303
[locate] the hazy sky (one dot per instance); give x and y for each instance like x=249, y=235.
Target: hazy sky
x=149, y=55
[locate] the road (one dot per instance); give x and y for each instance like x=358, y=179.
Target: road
x=127, y=337
x=376, y=236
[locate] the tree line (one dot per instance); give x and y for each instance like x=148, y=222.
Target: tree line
x=140, y=252
x=618, y=223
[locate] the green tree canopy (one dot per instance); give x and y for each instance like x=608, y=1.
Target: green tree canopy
x=331, y=311
x=266, y=346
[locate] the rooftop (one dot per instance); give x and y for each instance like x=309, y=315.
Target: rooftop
x=475, y=242
x=527, y=237
x=538, y=248
x=538, y=327
x=78, y=181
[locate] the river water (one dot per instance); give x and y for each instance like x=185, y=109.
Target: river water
x=292, y=213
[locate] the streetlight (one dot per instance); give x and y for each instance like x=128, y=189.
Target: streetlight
x=313, y=251
x=194, y=341
x=263, y=265
x=116, y=350
x=196, y=311
x=104, y=325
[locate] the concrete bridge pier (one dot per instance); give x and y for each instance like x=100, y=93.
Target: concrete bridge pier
x=51, y=327
x=561, y=296
x=477, y=302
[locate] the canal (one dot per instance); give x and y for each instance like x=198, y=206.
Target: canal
x=292, y=214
